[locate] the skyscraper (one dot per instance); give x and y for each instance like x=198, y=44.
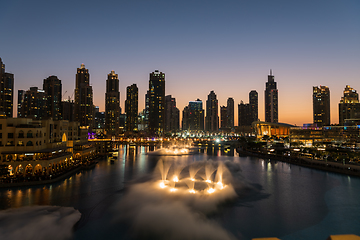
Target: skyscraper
x=244, y=116
x=6, y=91
x=223, y=117
x=112, y=104
x=253, y=101
x=349, y=106
x=212, y=116
x=271, y=100
x=193, y=116
x=156, y=102
x=321, y=105
x=248, y=112
x=172, y=115
x=230, y=113
x=67, y=111
x=35, y=104
x=84, y=108
x=21, y=95
x=53, y=88
x=185, y=124
x=131, y=108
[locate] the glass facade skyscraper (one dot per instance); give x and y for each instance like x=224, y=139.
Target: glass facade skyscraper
x=271, y=100
x=156, y=97
x=112, y=104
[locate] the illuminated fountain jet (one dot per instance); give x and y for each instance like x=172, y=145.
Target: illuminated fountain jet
x=198, y=178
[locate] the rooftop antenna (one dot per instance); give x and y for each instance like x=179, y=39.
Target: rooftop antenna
x=270, y=72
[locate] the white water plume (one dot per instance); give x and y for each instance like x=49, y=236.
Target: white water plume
x=171, y=209
x=38, y=222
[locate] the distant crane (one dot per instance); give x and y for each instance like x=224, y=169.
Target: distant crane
x=63, y=94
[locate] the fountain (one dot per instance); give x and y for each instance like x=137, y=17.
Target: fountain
x=173, y=150
x=173, y=199
x=198, y=178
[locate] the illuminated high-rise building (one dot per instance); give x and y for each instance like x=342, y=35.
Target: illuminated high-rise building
x=21, y=95
x=212, y=116
x=53, y=88
x=253, y=101
x=185, y=119
x=193, y=116
x=172, y=115
x=131, y=108
x=112, y=104
x=156, y=97
x=248, y=112
x=230, y=113
x=271, y=100
x=321, y=106
x=223, y=117
x=84, y=108
x=67, y=111
x=349, y=106
x=6, y=91
x=35, y=104
x=244, y=116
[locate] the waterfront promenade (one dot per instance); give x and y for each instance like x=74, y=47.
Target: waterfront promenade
x=28, y=182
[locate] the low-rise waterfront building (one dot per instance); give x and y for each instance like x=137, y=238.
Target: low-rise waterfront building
x=40, y=147
x=273, y=129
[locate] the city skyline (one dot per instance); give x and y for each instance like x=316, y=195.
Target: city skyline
x=305, y=44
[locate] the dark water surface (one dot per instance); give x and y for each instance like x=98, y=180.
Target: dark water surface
x=282, y=200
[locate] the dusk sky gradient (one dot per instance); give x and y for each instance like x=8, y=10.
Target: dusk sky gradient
x=225, y=46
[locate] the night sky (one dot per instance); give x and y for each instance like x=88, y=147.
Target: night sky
x=225, y=46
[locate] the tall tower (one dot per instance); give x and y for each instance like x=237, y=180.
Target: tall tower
x=349, y=106
x=172, y=115
x=253, y=101
x=185, y=122
x=244, y=118
x=20, y=110
x=53, y=88
x=131, y=108
x=223, y=117
x=212, y=116
x=6, y=91
x=321, y=105
x=84, y=108
x=271, y=100
x=112, y=104
x=193, y=116
x=156, y=96
x=35, y=104
x=230, y=113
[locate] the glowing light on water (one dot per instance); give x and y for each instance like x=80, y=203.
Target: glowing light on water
x=211, y=190
x=192, y=179
x=208, y=181
x=162, y=185
x=176, y=179
x=173, y=189
x=191, y=191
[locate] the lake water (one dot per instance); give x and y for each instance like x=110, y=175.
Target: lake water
x=278, y=200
